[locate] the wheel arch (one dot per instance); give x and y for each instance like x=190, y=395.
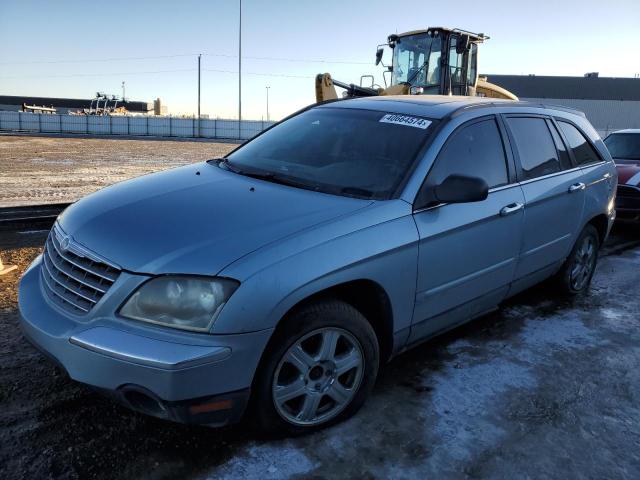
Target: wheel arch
x=601, y=223
x=366, y=296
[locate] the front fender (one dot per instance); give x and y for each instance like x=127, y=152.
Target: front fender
x=384, y=253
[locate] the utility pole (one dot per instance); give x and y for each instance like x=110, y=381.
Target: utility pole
x=240, y=71
x=268, y=102
x=199, y=56
x=123, y=99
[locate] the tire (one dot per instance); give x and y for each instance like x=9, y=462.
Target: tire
x=577, y=271
x=296, y=393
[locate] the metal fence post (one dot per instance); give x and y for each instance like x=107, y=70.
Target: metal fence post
x=147, y=126
x=128, y=122
x=19, y=121
x=215, y=128
x=86, y=124
x=59, y=123
x=110, y=126
x=170, y=122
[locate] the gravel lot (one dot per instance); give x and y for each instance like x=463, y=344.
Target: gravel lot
x=37, y=170
x=544, y=388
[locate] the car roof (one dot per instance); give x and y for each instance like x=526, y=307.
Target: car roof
x=435, y=106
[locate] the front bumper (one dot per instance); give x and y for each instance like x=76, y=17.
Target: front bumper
x=196, y=378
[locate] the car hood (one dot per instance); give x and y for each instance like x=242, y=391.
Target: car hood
x=628, y=173
x=195, y=219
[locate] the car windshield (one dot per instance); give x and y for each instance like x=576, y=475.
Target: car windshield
x=625, y=146
x=342, y=151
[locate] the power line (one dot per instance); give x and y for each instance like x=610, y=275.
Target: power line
x=105, y=74
x=284, y=75
x=98, y=60
x=152, y=72
x=282, y=59
x=156, y=57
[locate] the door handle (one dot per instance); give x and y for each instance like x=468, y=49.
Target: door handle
x=606, y=176
x=511, y=208
x=576, y=187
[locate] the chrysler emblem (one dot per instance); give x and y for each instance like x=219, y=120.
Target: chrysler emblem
x=64, y=243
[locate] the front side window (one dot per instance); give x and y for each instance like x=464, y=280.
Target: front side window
x=624, y=146
x=475, y=150
x=583, y=152
x=416, y=60
x=342, y=151
x=536, y=149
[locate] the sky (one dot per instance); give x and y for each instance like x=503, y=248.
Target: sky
x=76, y=48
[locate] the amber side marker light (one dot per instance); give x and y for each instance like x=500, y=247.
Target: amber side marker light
x=211, y=407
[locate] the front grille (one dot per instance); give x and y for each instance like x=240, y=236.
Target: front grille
x=628, y=197
x=73, y=277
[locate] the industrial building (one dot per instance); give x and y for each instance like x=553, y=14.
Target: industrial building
x=65, y=105
x=609, y=103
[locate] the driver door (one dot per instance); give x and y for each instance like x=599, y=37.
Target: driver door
x=467, y=251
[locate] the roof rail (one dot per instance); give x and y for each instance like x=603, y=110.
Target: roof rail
x=518, y=104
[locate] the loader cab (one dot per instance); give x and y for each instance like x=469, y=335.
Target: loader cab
x=437, y=61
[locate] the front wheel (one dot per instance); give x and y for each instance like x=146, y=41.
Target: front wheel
x=576, y=273
x=319, y=368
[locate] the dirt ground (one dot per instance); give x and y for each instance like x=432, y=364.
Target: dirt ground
x=37, y=170
x=544, y=388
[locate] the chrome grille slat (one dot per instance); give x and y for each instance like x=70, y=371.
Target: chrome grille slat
x=79, y=265
x=76, y=280
x=61, y=297
x=66, y=286
x=70, y=273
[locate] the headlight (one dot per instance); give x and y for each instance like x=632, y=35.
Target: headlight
x=190, y=303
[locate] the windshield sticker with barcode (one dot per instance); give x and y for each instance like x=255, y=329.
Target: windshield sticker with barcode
x=406, y=120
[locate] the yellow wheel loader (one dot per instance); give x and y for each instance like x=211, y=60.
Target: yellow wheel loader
x=435, y=61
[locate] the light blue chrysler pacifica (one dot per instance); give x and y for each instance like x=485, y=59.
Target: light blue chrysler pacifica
x=277, y=280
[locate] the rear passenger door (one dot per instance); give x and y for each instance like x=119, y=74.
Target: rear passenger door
x=554, y=196
x=468, y=251
x=596, y=172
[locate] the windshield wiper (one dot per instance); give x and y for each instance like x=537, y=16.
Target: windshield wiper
x=223, y=162
x=357, y=192
x=282, y=180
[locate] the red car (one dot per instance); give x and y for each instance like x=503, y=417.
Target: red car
x=624, y=146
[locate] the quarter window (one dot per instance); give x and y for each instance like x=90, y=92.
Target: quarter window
x=476, y=151
x=536, y=149
x=565, y=163
x=583, y=152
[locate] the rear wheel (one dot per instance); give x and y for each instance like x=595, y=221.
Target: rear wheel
x=319, y=369
x=576, y=273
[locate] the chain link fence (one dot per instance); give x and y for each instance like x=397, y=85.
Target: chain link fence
x=131, y=125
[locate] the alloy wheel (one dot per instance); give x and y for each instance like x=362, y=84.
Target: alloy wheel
x=318, y=376
x=584, y=263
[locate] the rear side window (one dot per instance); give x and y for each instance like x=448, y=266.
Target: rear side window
x=583, y=152
x=475, y=150
x=536, y=149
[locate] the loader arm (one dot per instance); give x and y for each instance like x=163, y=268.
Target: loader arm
x=491, y=90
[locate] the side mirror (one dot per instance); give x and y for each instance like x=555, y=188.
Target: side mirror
x=379, y=54
x=463, y=44
x=461, y=189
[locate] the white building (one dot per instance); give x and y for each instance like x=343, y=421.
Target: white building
x=609, y=103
